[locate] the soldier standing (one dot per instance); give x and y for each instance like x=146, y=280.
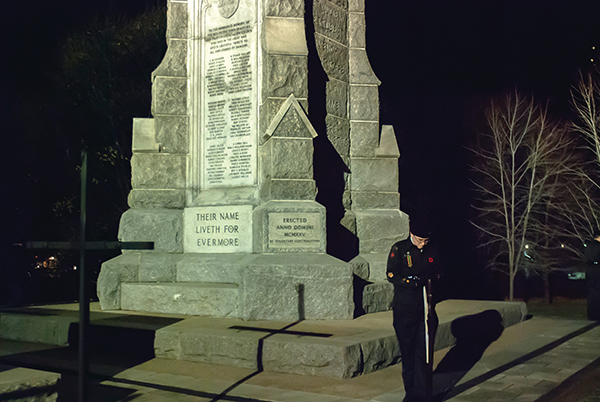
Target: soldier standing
x=411, y=263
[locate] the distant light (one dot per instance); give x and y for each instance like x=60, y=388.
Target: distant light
x=593, y=47
x=52, y=258
x=592, y=60
x=527, y=246
x=562, y=245
x=74, y=267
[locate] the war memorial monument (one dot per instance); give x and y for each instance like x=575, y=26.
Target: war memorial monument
x=223, y=178
x=270, y=193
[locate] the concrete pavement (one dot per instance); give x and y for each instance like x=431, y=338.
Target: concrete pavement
x=529, y=361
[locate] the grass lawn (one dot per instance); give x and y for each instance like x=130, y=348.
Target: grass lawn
x=560, y=307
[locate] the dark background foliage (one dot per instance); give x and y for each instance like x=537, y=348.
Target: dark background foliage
x=75, y=73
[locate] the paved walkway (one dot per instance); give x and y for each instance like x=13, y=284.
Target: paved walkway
x=530, y=361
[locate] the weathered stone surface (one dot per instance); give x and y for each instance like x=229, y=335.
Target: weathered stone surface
x=340, y=3
x=28, y=385
x=337, y=98
x=283, y=286
x=360, y=267
x=172, y=133
x=375, y=199
x=307, y=356
x=158, y=267
x=169, y=96
x=164, y=227
x=215, y=347
x=331, y=21
x=292, y=159
x=177, y=20
x=287, y=75
x=357, y=30
x=292, y=126
x=274, y=105
x=285, y=8
x=378, y=297
x=374, y=174
x=51, y=330
x=211, y=299
x=377, y=265
x=174, y=64
x=356, y=5
x=342, y=146
x=224, y=268
x=282, y=189
x=364, y=102
x=285, y=36
x=167, y=344
x=156, y=198
x=388, y=145
x=124, y=268
x=299, y=212
x=338, y=127
x=334, y=58
x=379, y=229
x=360, y=68
x=227, y=196
x=349, y=220
x=158, y=171
x=380, y=351
x=511, y=312
x=364, y=138
x=144, y=136
x=346, y=200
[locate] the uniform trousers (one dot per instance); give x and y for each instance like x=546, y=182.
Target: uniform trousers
x=409, y=324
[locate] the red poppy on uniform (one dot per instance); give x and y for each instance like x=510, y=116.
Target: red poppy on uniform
x=392, y=255
x=430, y=259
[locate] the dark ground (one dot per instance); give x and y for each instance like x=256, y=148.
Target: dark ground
x=585, y=385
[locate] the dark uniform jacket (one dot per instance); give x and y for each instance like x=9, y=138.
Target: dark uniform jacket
x=409, y=268
x=592, y=252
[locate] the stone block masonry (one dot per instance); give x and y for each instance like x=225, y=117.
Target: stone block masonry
x=223, y=173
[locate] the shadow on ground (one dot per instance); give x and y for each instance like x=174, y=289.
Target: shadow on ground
x=473, y=333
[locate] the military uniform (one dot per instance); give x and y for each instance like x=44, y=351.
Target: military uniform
x=409, y=268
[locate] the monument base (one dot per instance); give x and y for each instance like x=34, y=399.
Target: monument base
x=296, y=286
x=376, y=293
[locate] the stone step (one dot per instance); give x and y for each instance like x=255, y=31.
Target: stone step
x=327, y=348
x=23, y=384
x=335, y=348
x=377, y=297
x=118, y=332
x=191, y=298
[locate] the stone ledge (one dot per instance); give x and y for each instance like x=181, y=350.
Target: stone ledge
x=326, y=348
x=333, y=348
x=192, y=298
x=22, y=384
x=50, y=329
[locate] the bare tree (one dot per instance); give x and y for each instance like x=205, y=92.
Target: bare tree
x=585, y=97
x=518, y=159
x=561, y=221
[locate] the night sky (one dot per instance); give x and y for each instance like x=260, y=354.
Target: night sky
x=439, y=63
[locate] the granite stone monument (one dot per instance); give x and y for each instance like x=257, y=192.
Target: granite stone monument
x=223, y=173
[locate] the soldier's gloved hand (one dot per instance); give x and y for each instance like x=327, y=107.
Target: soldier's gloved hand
x=411, y=281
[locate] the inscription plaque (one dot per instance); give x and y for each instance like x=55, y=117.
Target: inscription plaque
x=294, y=230
x=229, y=91
x=218, y=229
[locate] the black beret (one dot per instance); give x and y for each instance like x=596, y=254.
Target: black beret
x=421, y=226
